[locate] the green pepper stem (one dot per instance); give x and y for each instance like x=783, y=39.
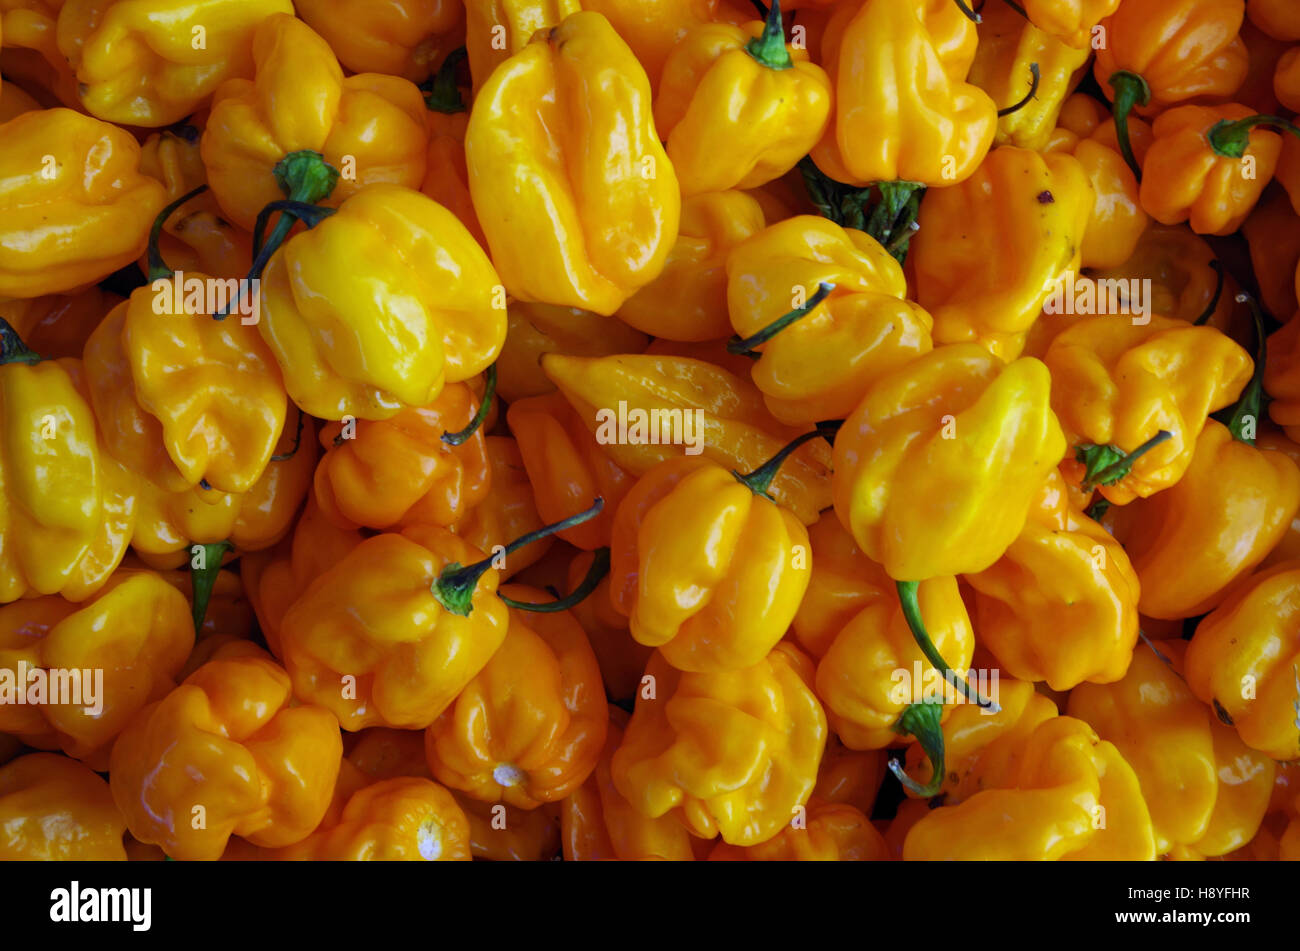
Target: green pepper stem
x=970, y=14
x=1130, y=90
x=1017, y=7
x=454, y=586
x=202, y=580
x=1230, y=138
x=769, y=47
x=599, y=568
x=442, y=91
x=309, y=214
x=760, y=480
x=1113, y=463
x=158, y=269
x=1098, y=509
x=1036, y=77
x=489, y=391
x=12, y=348
x=1251, y=403
x=907, y=597
x=1214, y=301
x=923, y=721
x=297, y=439
x=747, y=345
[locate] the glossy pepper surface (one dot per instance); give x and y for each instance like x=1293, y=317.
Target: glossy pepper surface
x=576, y=196
x=729, y=754
x=828, y=832
x=151, y=64
x=1205, y=788
x=74, y=204
x=495, y=30
x=54, y=808
x=399, y=37
x=424, y=311
x=508, y=511
x=537, y=329
x=226, y=753
x=892, y=459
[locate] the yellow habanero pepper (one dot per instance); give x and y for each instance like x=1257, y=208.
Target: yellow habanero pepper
x=576, y=196
x=368, y=342
x=830, y=832
x=1286, y=79
x=74, y=207
x=530, y=726
x=738, y=107
x=1207, y=791
x=910, y=116
x=622, y=660
x=135, y=634
x=67, y=508
x=991, y=249
x=842, y=583
x=722, y=418
x=57, y=325
x=1273, y=234
x=1071, y=20
x=1047, y=803
x=508, y=511
x=54, y=808
x=730, y=754
x=227, y=745
x=371, y=127
x=1282, y=377
x=654, y=28
x=1133, y=395
x=379, y=473
x=688, y=300
x=537, y=329
x=913, y=439
x=819, y=351
x=495, y=30
x=152, y=63
x=1276, y=18
x=1061, y=604
x=29, y=31
x=1243, y=659
x=446, y=176
x=398, y=37
x=706, y=566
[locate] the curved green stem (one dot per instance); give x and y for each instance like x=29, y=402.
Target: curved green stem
x=1037, y=77
x=309, y=214
x=442, y=91
x=297, y=440
x=489, y=391
x=599, y=568
x=1251, y=404
x=1108, y=464
x=1098, y=509
x=1214, y=301
x=1231, y=137
x=454, y=587
x=907, y=597
x=923, y=721
x=12, y=348
x=769, y=47
x=970, y=14
x=747, y=345
x=1130, y=90
x=158, y=269
x=760, y=480
x=202, y=580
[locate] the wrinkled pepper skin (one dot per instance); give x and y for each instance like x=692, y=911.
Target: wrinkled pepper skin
x=55, y=809
x=598, y=825
x=688, y=300
x=1119, y=383
x=1008, y=46
x=990, y=249
x=820, y=366
x=852, y=777
x=653, y=28
x=1048, y=805
x=508, y=511
x=298, y=99
x=728, y=754
x=399, y=37
x=424, y=312
x=1062, y=604
x=57, y=325
x=622, y=660
x=736, y=430
x=705, y=569
x=446, y=176
x=182, y=397
x=29, y=29
x=1243, y=656
x=892, y=461
x=495, y=30
x=856, y=676
x=1182, y=48
x=67, y=508
x=732, y=119
x=530, y=726
x=1229, y=510
x=537, y=329
x=567, y=468
x=372, y=617
x=136, y=633
x=74, y=204
x=153, y=63
x=1282, y=377
x=1184, y=179
x=842, y=583
x=576, y=196
x=399, y=470
x=1205, y=788
x=831, y=832
x=1071, y=20
x=910, y=116
x=228, y=740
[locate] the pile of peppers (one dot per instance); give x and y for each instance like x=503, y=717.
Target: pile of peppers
x=860, y=430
